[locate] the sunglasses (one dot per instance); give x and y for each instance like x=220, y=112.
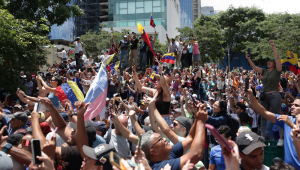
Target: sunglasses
x=176, y=124
x=25, y=142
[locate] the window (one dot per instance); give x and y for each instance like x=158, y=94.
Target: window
x=139, y=10
x=131, y=23
x=131, y=7
x=148, y=4
x=156, y=3
x=139, y=4
x=123, y=8
x=123, y=11
x=156, y=9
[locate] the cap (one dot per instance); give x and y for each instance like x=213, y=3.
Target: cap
x=125, y=36
x=176, y=110
x=100, y=153
x=78, y=37
x=107, y=99
x=28, y=113
x=190, y=89
x=5, y=161
x=102, y=127
x=248, y=142
x=72, y=58
x=147, y=128
x=195, y=95
x=18, y=106
x=272, y=59
x=46, y=128
x=185, y=122
x=64, y=116
x=284, y=107
x=133, y=33
x=22, y=116
x=211, y=98
x=90, y=129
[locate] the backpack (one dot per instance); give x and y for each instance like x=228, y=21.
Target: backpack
x=234, y=125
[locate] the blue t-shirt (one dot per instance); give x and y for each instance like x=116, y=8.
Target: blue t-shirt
x=290, y=155
x=216, y=158
x=174, y=159
x=98, y=141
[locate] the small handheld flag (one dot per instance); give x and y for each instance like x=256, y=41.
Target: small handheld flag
x=152, y=22
x=70, y=51
x=168, y=58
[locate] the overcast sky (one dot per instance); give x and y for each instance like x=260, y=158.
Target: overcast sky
x=268, y=6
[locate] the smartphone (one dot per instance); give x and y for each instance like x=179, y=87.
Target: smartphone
x=223, y=143
x=117, y=98
x=148, y=68
x=115, y=160
x=288, y=91
x=249, y=51
x=36, y=151
x=246, y=84
x=194, y=101
x=90, y=70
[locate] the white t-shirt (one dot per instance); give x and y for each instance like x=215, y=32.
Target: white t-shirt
x=78, y=47
x=83, y=57
x=62, y=54
x=59, y=140
x=178, y=45
x=254, y=116
x=88, y=62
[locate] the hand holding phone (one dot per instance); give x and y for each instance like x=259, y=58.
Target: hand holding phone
x=246, y=84
x=249, y=51
x=115, y=160
x=194, y=101
x=36, y=151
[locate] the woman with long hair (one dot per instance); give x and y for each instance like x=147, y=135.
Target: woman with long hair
x=270, y=97
x=160, y=92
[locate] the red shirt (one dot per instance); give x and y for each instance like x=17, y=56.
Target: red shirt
x=111, y=50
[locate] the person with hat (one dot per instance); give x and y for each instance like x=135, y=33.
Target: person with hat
x=15, y=121
x=100, y=126
x=286, y=123
x=142, y=112
x=181, y=126
x=78, y=47
x=124, y=43
x=133, y=49
x=97, y=157
x=251, y=151
x=176, y=113
x=130, y=91
x=270, y=81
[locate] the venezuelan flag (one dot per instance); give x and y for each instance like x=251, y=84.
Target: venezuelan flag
x=152, y=77
x=70, y=51
x=145, y=37
x=97, y=93
x=168, y=58
x=113, y=67
x=292, y=59
x=69, y=91
x=152, y=22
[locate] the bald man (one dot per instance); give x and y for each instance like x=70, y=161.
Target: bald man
x=114, y=138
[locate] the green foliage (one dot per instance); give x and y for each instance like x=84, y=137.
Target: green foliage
x=185, y=32
x=210, y=39
x=20, y=49
x=55, y=11
x=284, y=29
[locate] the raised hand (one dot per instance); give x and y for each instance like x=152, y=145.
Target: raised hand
x=287, y=120
x=149, y=102
x=47, y=102
x=231, y=159
x=81, y=107
x=272, y=43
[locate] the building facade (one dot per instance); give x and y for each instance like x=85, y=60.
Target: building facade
x=186, y=13
x=196, y=9
x=208, y=10
x=126, y=14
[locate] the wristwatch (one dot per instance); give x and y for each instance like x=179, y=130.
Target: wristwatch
x=6, y=147
x=73, y=114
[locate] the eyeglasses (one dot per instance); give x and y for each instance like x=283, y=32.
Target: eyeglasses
x=52, y=80
x=157, y=142
x=296, y=105
x=176, y=124
x=25, y=142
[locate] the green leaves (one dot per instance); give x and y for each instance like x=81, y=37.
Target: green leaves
x=20, y=49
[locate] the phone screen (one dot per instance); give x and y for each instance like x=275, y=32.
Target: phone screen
x=36, y=151
x=116, y=159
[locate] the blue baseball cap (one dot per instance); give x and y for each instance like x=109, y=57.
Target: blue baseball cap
x=284, y=107
x=64, y=116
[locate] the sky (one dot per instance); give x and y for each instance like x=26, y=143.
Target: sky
x=268, y=6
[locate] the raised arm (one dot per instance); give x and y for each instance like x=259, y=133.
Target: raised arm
x=24, y=98
x=63, y=130
x=257, y=69
x=163, y=83
x=154, y=38
x=47, y=88
x=124, y=131
x=197, y=147
x=277, y=60
x=260, y=109
x=137, y=127
x=36, y=128
x=168, y=39
x=140, y=86
x=20, y=155
x=160, y=121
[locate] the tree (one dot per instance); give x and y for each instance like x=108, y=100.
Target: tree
x=284, y=29
x=185, y=32
x=56, y=12
x=20, y=49
x=239, y=27
x=210, y=40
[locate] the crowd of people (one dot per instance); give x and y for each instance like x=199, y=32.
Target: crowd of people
x=154, y=118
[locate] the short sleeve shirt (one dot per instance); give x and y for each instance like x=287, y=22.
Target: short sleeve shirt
x=216, y=158
x=270, y=80
x=173, y=47
x=78, y=47
x=134, y=44
x=174, y=159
